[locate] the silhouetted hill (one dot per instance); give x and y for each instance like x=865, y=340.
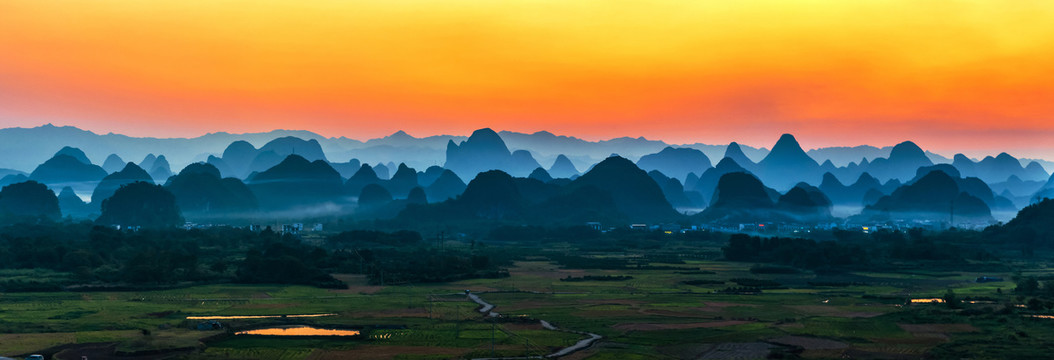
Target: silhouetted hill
x=1017, y=190
x=113, y=164
x=141, y=204
x=219, y=164
x=934, y=196
x=363, y=177
x=852, y=195
x=373, y=196
x=6, y=172
x=675, y=162
x=65, y=170
x=290, y=145
x=484, y=150
x=492, y=195
x=417, y=196
x=297, y=182
x=347, y=169
x=563, y=168
x=160, y=170
x=382, y=171
x=239, y=156
x=735, y=152
x=634, y=192
x=429, y=176
x=903, y=161
x=787, y=164
x=13, y=179
x=1033, y=227
x=522, y=163
x=672, y=190
x=1045, y=192
x=109, y=184
x=399, y=185
x=970, y=185
x=541, y=175
x=999, y=168
x=740, y=190
x=72, y=205
x=27, y=201
x=805, y=203
x=265, y=160
x=200, y=192
x=707, y=183
x=447, y=186
x=75, y=153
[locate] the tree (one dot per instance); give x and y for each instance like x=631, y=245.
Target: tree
x=141, y=204
x=951, y=299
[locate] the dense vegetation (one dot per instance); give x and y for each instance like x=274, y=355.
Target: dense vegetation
x=82, y=255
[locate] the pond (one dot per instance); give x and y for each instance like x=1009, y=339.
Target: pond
x=298, y=330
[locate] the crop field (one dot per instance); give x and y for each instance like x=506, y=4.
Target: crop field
x=706, y=309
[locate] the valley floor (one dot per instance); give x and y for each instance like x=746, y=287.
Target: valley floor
x=639, y=313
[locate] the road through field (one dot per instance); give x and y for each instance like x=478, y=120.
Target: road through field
x=487, y=308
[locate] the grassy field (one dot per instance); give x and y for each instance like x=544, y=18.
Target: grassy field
x=656, y=314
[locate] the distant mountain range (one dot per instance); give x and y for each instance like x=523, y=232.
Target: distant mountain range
x=25, y=148
x=505, y=176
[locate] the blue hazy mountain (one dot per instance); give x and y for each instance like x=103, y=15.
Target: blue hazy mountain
x=447, y=186
x=65, y=169
x=787, y=164
x=297, y=182
x=113, y=163
x=999, y=168
x=936, y=196
x=109, y=184
x=634, y=193
x=202, y=192
x=485, y=150
x=563, y=168
x=541, y=175
x=675, y=162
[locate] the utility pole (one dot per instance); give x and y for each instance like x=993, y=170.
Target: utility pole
x=492, y=327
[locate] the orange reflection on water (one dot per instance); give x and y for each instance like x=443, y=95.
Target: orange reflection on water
x=299, y=331
x=931, y=300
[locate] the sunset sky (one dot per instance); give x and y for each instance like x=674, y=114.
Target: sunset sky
x=955, y=76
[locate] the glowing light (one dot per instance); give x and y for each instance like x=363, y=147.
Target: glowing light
x=299, y=331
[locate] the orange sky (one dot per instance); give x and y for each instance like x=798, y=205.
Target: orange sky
x=955, y=76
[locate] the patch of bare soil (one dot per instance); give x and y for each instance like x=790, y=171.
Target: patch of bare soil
x=106, y=352
x=833, y=311
x=719, y=306
x=677, y=326
x=810, y=343
x=263, y=306
x=611, y=302
x=371, y=352
x=523, y=326
x=357, y=284
x=678, y=314
x=730, y=351
x=937, y=328
x=393, y=313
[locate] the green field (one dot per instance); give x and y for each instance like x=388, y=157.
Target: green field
x=652, y=315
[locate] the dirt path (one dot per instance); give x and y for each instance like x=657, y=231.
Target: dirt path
x=486, y=309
